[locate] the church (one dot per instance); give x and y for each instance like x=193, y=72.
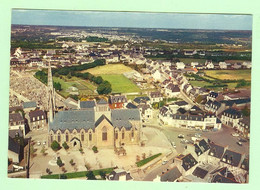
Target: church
x=95, y=124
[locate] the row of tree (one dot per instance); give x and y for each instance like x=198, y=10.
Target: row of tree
x=43, y=77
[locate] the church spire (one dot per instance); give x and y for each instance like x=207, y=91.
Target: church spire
x=51, y=95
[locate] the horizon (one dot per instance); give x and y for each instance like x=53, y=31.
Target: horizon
x=149, y=20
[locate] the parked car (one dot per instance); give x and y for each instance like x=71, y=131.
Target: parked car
x=242, y=140
x=44, y=142
x=198, y=135
x=38, y=143
x=239, y=143
x=164, y=162
x=235, y=134
x=180, y=136
x=173, y=144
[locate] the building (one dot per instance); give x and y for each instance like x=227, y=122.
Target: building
x=98, y=126
x=14, y=152
x=29, y=106
x=146, y=111
x=37, y=119
x=155, y=97
x=231, y=117
x=243, y=127
x=119, y=175
x=16, y=123
x=117, y=102
x=170, y=175
x=172, y=90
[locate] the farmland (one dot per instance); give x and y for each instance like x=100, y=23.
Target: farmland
x=229, y=74
x=109, y=69
x=120, y=83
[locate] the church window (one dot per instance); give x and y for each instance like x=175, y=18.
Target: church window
x=82, y=136
x=51, y=138
x=123, y=134
x=116, y=134
x=90, y=136
x=104, y=134
x=58, y=137
x=132, y=133
x=67, y=137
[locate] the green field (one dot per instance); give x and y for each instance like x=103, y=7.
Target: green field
x=109, y=69
x=199, y=83
x=189, y=60
x=85, y=87
x=121, y=84
x=230, y=74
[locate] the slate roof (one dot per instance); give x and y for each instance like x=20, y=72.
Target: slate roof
x=13, y=109
x=223, y=175
x=117, y=99
x=216, y=150
x=237, y=102
x=29, y=105
x=199, y=172
x=131, y=106
x=188, y=162
x=73, y=119
x=171, y=175
x=181, y=103
x=232, y=113
x=163, y=110
x=245, y=164
x=198, y=150
x=13, y=146
x=155, y=94
x=143, y=107
x=204, y=146
x=232, y=158
x=87, y=104
x=173, y=88
x=35, y=114
x=114, y=175
x=141, y=99
x=15, y=117
x=14, y=133
x=102, y=101
x=125, y=114
x=188, y=117
x=213, y=94
x=103, y=117
x=181, y=111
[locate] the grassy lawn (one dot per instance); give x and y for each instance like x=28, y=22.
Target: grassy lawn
x=121, y=84
x=77, y=174
x=145, y=161
x=85, y=87
x=230, y=74
x=131, y=97
x=199, y=83
x=109, y=69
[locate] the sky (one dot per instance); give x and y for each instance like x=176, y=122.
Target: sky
x=132, y=19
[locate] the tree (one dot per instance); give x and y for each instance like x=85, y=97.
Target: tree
x=71, y=162
x=90, y=175
x=94, y=148
x=57, y=86
x=65, y=146
x=104, y=88
x=102, y=174
x=55, y=146
x=59, y=162
x=43, y=151
x=63, y=176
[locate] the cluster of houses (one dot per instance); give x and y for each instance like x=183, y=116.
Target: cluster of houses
x=205, y=161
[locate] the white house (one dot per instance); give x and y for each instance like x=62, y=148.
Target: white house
x=222, y=65
x=157, y=76
x=180, y=65
x=155, y=97
x=231, y=117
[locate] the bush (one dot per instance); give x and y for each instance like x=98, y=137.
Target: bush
x=145, y=161
x=65, y=146
x=94, y=148
x=55, y=146
x=63, y=176
x=90, y=175
x=59, y=162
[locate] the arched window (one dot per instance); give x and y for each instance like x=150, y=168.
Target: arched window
x=132, y=133
x=51, y=138
x=104, y=134
x=90, y=136
x=58, y=137
x=123, y=134
x=116, y=134
x=67, y=137
x=82, y=136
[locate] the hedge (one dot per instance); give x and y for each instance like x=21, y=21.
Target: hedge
x=145, y=161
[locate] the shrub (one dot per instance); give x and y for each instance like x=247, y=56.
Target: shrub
x=94, y=148
x=65, y=145
x=90, y=175
x=59, y=162
x=55, y=146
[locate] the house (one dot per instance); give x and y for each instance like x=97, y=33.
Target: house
x=232, y=158
x=209, y=65
x=212, y=96
x=243, y=127
x=231, y=117
x=170, y=175
x=223, y=65
x=247, y=65
x=157, y=76
x=131, y=106
x=117, y=101
x=185, y=163
x=215, y=107
x=16, y=122
x=29, y=106
x=87, y=104
x=241, y=94
x=146, y=111
x=182, y=104
x=119, y=175
x=194, y=64
x=222, y=175
x=180, y=65
x=237, y=66
x=37, y=119
x=172, y=90
x=155, y=97
x=142, y=99
x=215, y=153
x=14, y=151
x=187, y=88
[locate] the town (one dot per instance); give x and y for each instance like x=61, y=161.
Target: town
x=104, y=103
